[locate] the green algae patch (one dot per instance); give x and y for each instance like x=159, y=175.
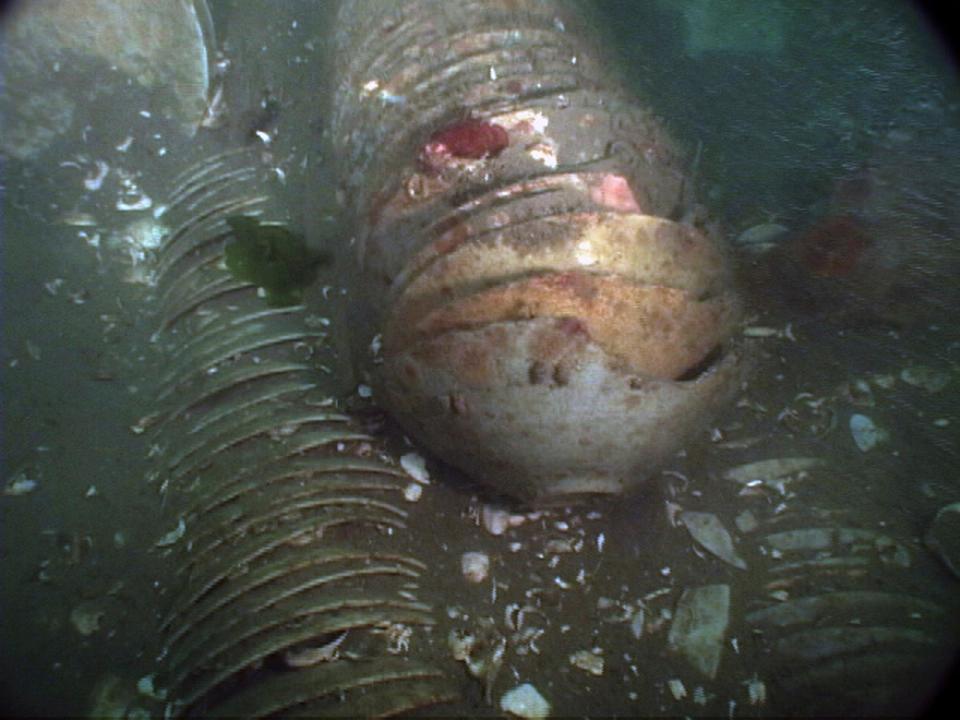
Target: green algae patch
x=271, y=257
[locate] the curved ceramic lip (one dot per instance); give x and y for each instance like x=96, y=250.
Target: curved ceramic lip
x=603, y=431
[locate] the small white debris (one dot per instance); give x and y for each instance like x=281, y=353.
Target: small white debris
x=91, y=492
x=364, y=391
x=416, y=467
x=930, y=379
x=125, y=145
x=759, y=331
x=19, y=484
x=314, y=655
x=376, y=345
x=865, y=433
x=173, y=536
x=524, y=701
x=94, y=180
x=677, y=689
x=146, y=686
x=760, y=238
x=601, y=540
x=141, y=202
x=587, y=661
x=756, y=690
x=412, y=492
x=86, y=618
x=637, y=623
x=475, y=566
x=495, y=520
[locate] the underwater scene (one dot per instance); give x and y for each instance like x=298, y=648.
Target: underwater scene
x=489, y=358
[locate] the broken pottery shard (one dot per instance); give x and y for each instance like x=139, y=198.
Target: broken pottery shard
x=770, y=469
x=699, y=626
x=710, y=533
x=943, y=537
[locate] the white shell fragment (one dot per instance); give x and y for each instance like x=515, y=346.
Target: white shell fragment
x=756, y=690
x=710, y=533
x=524, y=701
x=495, y=520
x=677, y=689
x=699, y=626
x=416, y=467
x=19, y=484
x=770, y=469
x=760, y=238
x=587, y=661
x=86, y=618
x=865, y=433
x=930, y=379
x=475, y=566
x=173, y=536
x=412, y=492
x=943, y=537
x=147, y=687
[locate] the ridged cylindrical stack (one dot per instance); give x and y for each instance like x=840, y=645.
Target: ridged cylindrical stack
x=285, y=514
x=539, y=310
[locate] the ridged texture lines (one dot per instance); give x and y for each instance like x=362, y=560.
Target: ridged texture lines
x=552, y=321
x=290, y=600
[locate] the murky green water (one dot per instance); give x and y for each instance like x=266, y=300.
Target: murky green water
x=798, y=114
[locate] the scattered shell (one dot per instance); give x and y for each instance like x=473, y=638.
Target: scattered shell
x=416, y=467
x=524, y=701
x=314, y=654
x=475, y=566
x=495, y=520
x=173, y=536
x=760, y=238
x=412, y=492
x=761, y=331
x=86, y=617
x=20, y=484
x=75, y=218
x=710, y=533
x=930, y=379
x=884, y=381
x=637, y=623
x=677, y=689
x=865, y=433
x=770, y=469
x=141, y=425
x=146, y=686
x=134, y=201
x=587, y=661
x=756, y=690
x=95, y=178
